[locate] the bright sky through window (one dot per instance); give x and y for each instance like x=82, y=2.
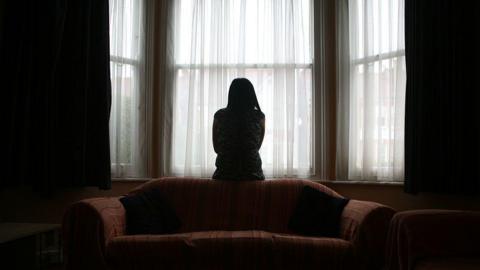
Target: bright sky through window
x=249, y=27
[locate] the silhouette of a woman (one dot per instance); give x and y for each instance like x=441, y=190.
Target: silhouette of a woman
x=238, y=132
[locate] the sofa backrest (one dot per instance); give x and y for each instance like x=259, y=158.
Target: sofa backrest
x=204, y=204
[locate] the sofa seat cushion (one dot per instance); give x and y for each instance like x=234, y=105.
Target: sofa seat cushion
x=446, y=263
x=227, y=250
x=290, y=251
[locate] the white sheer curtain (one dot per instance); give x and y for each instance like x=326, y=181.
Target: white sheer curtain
x=376, y=89
x=127, y=65
x=266, y=41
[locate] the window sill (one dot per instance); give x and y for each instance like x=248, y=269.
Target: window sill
x=131, y=180
x=358, y=182
x=327, y=182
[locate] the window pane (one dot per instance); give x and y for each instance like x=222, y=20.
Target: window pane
x=243, y=31
x=376, y=25
x=266, y=41
x=127, y=128
x=377, y=89
x=125, y=28
x=123, y=109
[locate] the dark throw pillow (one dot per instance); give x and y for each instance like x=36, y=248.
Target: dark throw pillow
x=317, y=214
x=149, y=213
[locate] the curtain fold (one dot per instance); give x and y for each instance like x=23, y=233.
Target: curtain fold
x=343, y=89
x=323, y=104
x=442, y=107
x=55, y=71
x=163, y=86
x=268, y=42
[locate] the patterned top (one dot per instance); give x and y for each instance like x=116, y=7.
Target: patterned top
x=237, y=143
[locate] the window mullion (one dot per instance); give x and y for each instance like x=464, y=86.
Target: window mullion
x=123, y=60
x=378, y=57
x=243, y=66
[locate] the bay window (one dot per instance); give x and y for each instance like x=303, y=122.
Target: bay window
x=208, y=43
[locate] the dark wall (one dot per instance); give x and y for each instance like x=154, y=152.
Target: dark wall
x=1, y=19
x=23, y=205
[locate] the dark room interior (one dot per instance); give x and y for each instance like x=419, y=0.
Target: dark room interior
x=240, y=134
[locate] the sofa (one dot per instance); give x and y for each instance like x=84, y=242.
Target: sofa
x=434, y=239
x=224, y=225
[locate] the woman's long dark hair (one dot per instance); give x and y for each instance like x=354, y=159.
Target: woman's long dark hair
x=241, y=96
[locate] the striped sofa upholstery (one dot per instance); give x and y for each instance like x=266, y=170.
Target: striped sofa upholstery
x=225, y=225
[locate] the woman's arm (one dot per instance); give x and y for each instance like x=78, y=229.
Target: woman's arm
x=215, y=135
x=262, y=125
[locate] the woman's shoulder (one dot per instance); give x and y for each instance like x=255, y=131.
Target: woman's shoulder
x=259, y=114
x=224, y=112
x=220, y=113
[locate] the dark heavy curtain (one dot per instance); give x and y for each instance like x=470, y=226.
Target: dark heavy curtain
x=442, y=131
x=55, y=57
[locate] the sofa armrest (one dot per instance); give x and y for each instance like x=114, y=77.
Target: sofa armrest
x=87, y=226
x=419, y=234
x=365, y=225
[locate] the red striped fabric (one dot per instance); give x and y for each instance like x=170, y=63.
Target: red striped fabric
x=225, y=225
x=203, y=204
x=228, y=250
